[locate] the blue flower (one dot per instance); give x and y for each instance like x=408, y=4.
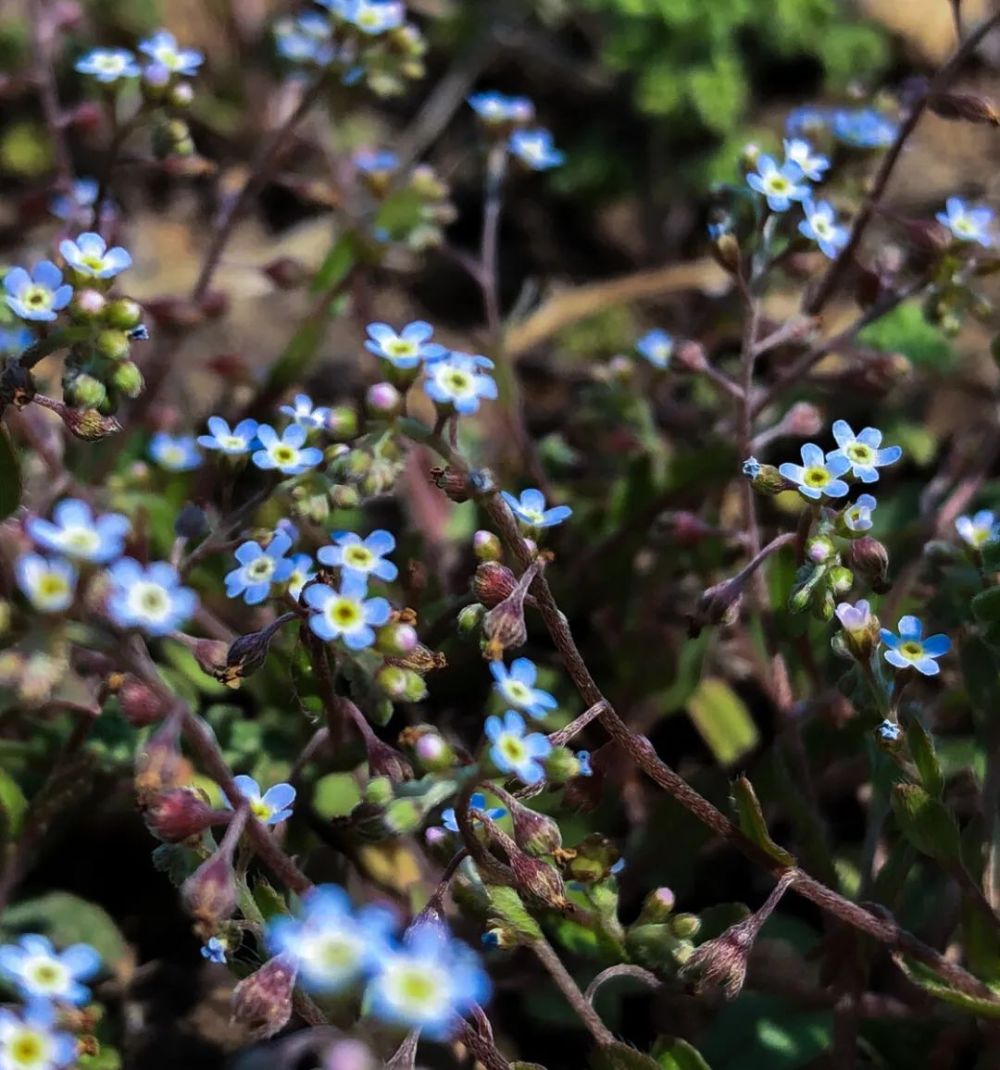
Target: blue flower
x=175, y=453
x=305, y=414
x=978, y=530
x=862, y=451
x=49, y=583
x=800, y=152
x=456, y=379
x=331, y=944
x=38, y=971
x=149, y=597
x=233, y=441
x=583, y=757
x=259, y=569
x=858, y=517
x=863, y=128
x=364, y=557
x=496, y=109
x=855, y=619
x=817, y=476
x=535, y=149
x=38, y=296
x=77, y=532
x=909, y=650
x=514, y=752
x=285, y=453
x=215, y=950
x=163, y=50
x=89, y=255
x=751, y=468
x=108, y=64
x=302, y=572
x=29, y=1040
x=273, y=807
x=15, y=340
x=967, y=223
x=376, y=161
x=405, y=349
x=346, y=614
x=516, y=686
x=427, y=982
x=820, y=225
x=657, y=347
x=779, y=185
x=78, y=202
x=305, y=38
x=807, y=120
x=530, y=509
x=374, y=16
x=888, y=731
x=476, y=802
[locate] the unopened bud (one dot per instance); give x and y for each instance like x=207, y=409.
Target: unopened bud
x=181, y=813
x=431, y=750
x=350, y=1054
x=181, y=95
x=593, y=861
x=123, y=313
x=691, y=357
x=209, y=895
x=262, y=1002
x=536, y=833
x=803, y=420
x=492, y=583
x=561, y=764
x=384, y=401
x=538, y=881
x=397, y=639
x=470, y=620
x=765, y=478
x=342, y=422
x=657, y=907
x=113, y=344
x=870, y=559
x=487, y=546
x=841, y=579
x=820, y=548
x=139, y=703
x=127, y=378
x=247, y=654
x=391, y=681
x=725, y=251
x=379, y=791
x=967, y=107
x=159, y=765
x=685, y=926
x=191, y=522
x=84, y=391
x=718, y=605
x=88, y=303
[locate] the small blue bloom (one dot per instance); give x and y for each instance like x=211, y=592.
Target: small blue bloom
x=586, y=768
x=457, y=379
x=476, y=802
x=976, y=531
x=530, y=509
x=374, y=17
x=751, y=468
x=909, y=650
x=817, y=475
x=162, y=48
x=49, y=583
x=331, y=944
x=779, y=185
x=175, y=453
x=215, y=950
x=259, y=569
x=862, y=451
x=858, y=517
x=364, y=557
x=657, y=347
x=38, y=296
x=302, y=572
x=89, y=255
x=812, y=164
x=346, y=614
x=855, y=619
x=29, y=1039
x=38, y=971
x=150, y=597
x=233, y=441
x=820, y=225
x=496, y=109
x=888, y=731
x=514, y=752
x=405, y=349
x=305, y=414
x=427, y=982
x=78, y=202
x=15, y=340
x=273, y=807
x=376, y=161
x=535, y=149
x=286, y=453
x=77, y=532
x=108, y=64
x=967, y=223
x=516, y=686
x=807, y=120
x=863, y=128
x=305, y=38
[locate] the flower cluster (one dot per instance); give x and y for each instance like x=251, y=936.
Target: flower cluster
x=508, y=120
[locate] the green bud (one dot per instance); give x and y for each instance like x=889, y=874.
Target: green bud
x=415, y=690
x=470, y=620
x=113, y=344
x=653, y=946
x=685, y=926
x=379, y=791
x=765, y=478
x=342, y=422
x=344, y=497
x=593, y=860
x=403, y=816
x=561, y=765
x=506, y=906
x=841, y=580
x=181, y=95
x=657, y=906
x=487, y=546
x=396, y=639
x=432, y=752
x=123, y=313
x=85, y=392
x=391, y=681
x=127, y=378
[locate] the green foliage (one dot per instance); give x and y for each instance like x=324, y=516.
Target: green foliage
x=723, y=720
x=926, y=823
x=750, y=818
x=67, y=919
x=905, y=330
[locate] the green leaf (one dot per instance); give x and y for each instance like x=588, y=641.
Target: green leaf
x=676, y=1054
x=926, y=761
x=67, y=919
x=269, y=900
x=105, y=1059
x=12, y=807
x=982, y=1006
x=905, y=330
x=723, y=720
x=10, y=476
x=337, y=263
x=619, y=1056
x=750, y=818
x=336, y=795
x=927, y=823
x=986, y=606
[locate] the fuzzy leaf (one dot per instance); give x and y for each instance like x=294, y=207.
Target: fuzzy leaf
x=750, y=818
x=677, y=1054
x=723, y=720
x=929, y=981
x=927, y=823
x=924, y=757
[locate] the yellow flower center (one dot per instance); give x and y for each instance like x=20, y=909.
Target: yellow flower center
x=816, y=477
x=285, y=455
x=359, y=557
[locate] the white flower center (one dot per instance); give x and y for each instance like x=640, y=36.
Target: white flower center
x=344, y=614
x=46, y=975
x=816, y=477
x=260, y=569
x=79, y=540
x=27, y=1049
x=359, y=557
x=417, y=990
x=38, y=298
x=284, y=455
x=519, y=694
x=149, y=600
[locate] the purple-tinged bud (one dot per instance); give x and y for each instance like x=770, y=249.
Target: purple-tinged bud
x=88, y=304
x=191, y=522
x=492, y=583
x=803, y=420
x=431, y=750
x=690, y=356
x=248, y=653
x=861, y=631
x=503, y=626
x=123, y=313
x=538, y=881
x=159, y=765
x=179, y=814
x=486, y=546
x=718, y=605
x=384, y=401
x=181, y=95
x=262, y=1002
x=286, y=272
x=657, y=907
x=536, y=833
x=870, y=559
x=436, y=836
x=156, y=76
x=820, y=548
x=342, y=422
x=86, y=424
x=139, y=703
x=210, y=895
x=350, y=1055
x=397, y=639
x=391, y=681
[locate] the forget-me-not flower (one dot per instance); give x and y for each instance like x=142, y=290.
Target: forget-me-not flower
x=89, y=255
x=30, y=1039
x=857, y=518
x=910, y=650
x=457, y=379
x=516, y=686
x=817, y=475
x=863, y=128
x=222, y=437
x=535, y=149
x=215, y=950
x=808, y=119
x=820, y=225
x=305, y=39
x=175, y=453
x=497, y=108
x=780, y=186
x=583, y=760
x=49, y=583
x=376, y=161
x=888, y=731
x=302, y=572
x=38, y=295
x=967, y=222
x=657, y=347
x=476, y=802
x=76, y=531
x=862, y=451
x=976, y=531
x=272, y=807
x=259, y=569
x=37, y=971
x=285, y=453
x=305, y=414
x=374, y=16
x=346, y=614
x=405, y=348
x=811, y=163
x=163, y=49
x=530, y=509
x=366, y=557
x=854, y=618
x=513, y=751
x=108, y=64
x=78, y=203
x=15, y=340
x=150, y=597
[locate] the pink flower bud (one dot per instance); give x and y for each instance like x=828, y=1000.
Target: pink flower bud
x=262, y=1002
